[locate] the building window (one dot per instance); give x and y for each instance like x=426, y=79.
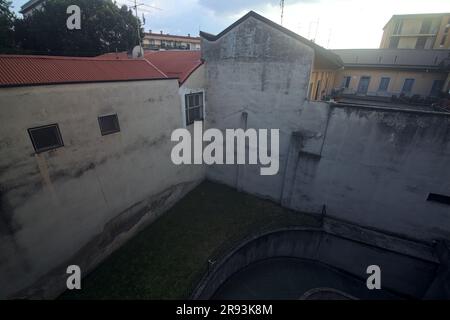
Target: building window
x=398, y=27
x=346, y=82
x=194, y=107
x=393, y=44
x=46, y=138
x=437, y=87
x=420, y=44
x=408, y=85
x=363, y=86
x=426, y=26
x=384, y=84
x=109, y=124
x=316, y=96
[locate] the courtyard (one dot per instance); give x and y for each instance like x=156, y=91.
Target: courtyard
x=169, y=257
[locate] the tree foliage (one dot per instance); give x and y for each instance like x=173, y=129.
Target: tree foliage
x=6, y=25
x=104, y=28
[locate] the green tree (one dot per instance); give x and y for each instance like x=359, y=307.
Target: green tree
x=104, y=28
x=6, y=25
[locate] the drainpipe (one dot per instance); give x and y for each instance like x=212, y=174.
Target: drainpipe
x=239, y=171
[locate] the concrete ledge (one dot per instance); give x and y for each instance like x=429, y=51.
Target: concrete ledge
x=387, y=109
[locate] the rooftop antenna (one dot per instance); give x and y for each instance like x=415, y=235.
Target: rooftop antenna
x=329, y=38
x=135, y=7
x=282, y=10
x=317, y=29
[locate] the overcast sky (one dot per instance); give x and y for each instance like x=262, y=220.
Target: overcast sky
x=334, y=24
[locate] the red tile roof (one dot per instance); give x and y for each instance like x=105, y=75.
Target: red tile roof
x=18, y=70
x=174, y=63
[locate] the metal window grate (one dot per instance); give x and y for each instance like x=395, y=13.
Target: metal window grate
x=109, y=124
x=46, y=138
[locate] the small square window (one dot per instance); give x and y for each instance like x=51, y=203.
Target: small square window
x=109, y=124
x=46, y=138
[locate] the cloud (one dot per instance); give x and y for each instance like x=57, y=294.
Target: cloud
x=236, y=6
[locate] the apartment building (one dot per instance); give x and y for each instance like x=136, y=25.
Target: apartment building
x=393, y=72
x=161, y=41
x=28, y=8
x=413, y=61
x=417, y=31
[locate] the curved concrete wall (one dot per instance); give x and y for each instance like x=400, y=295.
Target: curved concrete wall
x=401, y=273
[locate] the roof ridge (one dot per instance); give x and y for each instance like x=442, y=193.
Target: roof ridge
x=156, y=68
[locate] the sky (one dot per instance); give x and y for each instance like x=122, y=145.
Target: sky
x=333, y=24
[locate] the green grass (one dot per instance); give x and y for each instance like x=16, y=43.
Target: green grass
x=166, y=259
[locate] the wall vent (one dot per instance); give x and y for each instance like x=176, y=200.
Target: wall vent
x=434, y=197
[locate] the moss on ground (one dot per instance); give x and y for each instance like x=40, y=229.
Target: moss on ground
x=167, y=258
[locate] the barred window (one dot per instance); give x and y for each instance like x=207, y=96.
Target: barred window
x=194, y=107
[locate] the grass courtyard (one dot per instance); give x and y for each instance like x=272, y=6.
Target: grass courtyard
x=166, y=259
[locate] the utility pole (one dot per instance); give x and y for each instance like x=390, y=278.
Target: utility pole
x=329, y=38
x=135, y=7
x=317, y=29
x=137, y=23
x=282, y=10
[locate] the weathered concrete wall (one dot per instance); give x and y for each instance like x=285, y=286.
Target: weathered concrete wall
x=257, y=70
x=372, y=167
x=76, y=204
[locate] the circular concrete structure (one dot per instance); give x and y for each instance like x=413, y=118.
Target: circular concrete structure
x=299, y=263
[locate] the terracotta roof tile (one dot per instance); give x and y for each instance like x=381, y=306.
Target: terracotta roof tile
x=17, y=70
x=175, y=63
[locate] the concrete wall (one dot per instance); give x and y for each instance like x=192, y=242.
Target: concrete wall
x=76, y=204
x=372, y=167
x=257, y=77
x=422, y=85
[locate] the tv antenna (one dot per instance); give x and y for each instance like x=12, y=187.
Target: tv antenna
x=282, y=10
x=145, y=8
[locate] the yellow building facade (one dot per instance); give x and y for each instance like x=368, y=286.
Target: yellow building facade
x=393, y=72
x=417, y=31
